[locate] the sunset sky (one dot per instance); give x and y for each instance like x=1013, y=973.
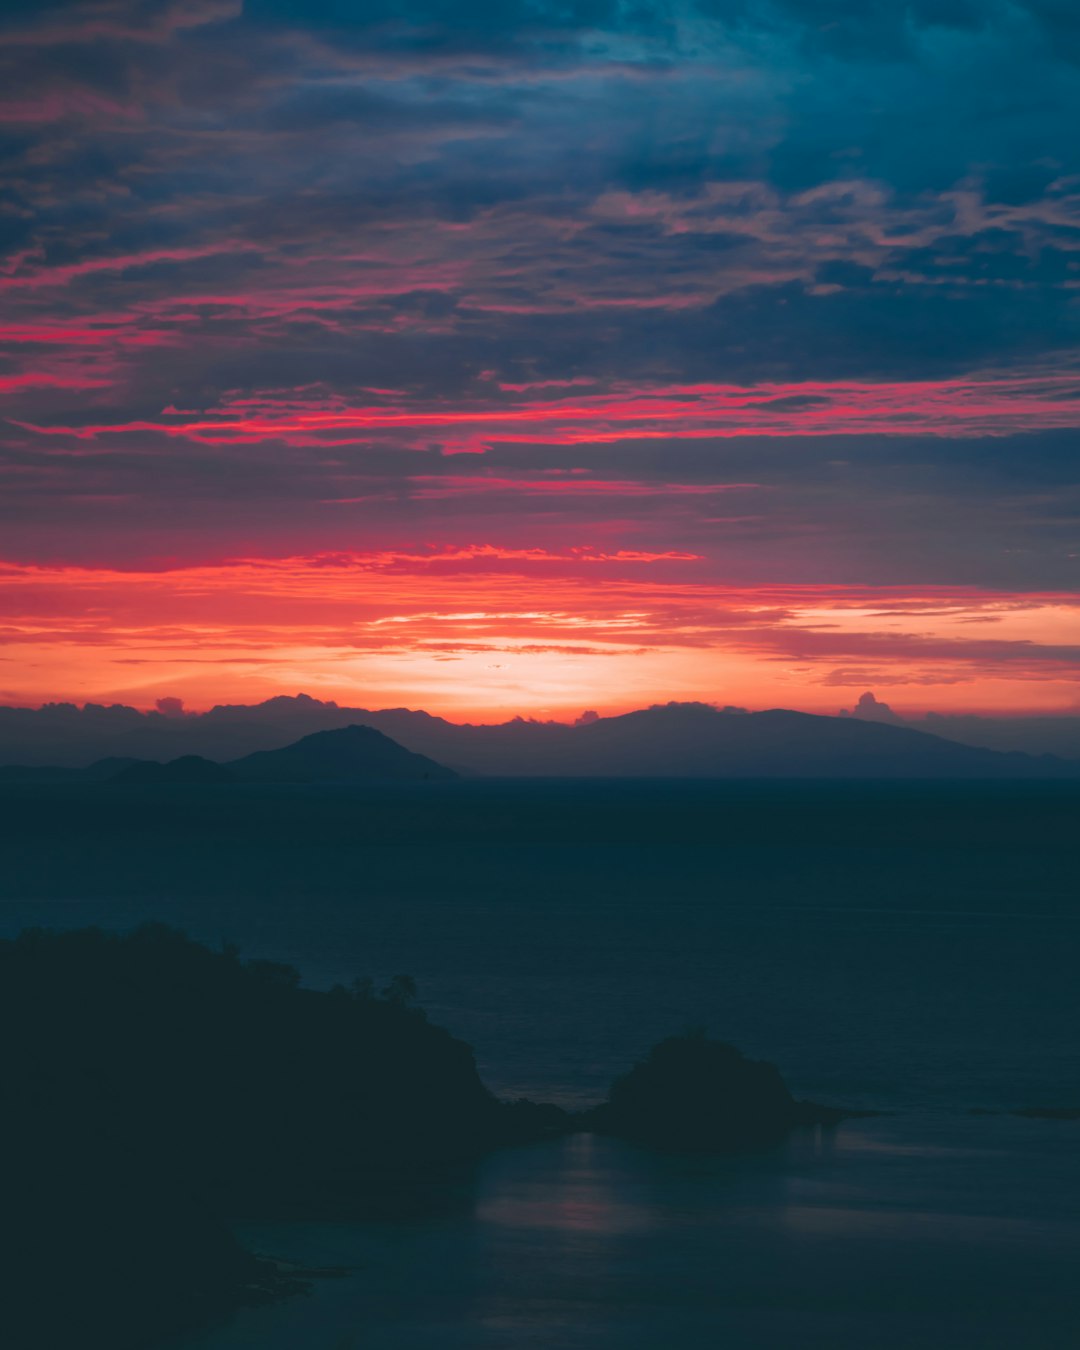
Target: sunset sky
x=528, y=356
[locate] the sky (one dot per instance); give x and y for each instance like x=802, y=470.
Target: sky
x=528, y=356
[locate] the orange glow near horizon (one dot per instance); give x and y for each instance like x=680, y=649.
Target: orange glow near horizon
x=486, y=633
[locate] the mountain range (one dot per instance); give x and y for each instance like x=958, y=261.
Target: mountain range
x=679, y=740
x=348, y=754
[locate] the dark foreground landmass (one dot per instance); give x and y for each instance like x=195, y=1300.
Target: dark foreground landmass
x=156, y=1089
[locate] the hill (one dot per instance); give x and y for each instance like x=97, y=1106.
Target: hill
x=101, y=771
x=190, y=770
x=351, y=754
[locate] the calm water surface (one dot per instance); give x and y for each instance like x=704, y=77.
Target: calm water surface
x=928, y=1234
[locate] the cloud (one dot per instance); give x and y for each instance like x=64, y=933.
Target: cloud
x=384, y=623
x=868, y=708
x=745, y=290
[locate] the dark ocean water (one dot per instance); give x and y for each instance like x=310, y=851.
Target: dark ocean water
x=911, y=948
x=934, y=1237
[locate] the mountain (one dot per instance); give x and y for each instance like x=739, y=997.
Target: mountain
x=350, y=754
x=345, y=754
x=1039, y=735
x=676, y=739
x=693, y=740
x=101, y=771
x=188, y=770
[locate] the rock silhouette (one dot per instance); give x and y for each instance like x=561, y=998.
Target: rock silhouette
x=694, y=1093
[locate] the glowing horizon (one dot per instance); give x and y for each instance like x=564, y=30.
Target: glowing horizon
x=520, y=633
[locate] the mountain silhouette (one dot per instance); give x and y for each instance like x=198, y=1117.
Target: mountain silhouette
x=1042, y=735
x=101, y=771
x=61, y=741
x=350, y=754
x=187, y=770
x=694, y=740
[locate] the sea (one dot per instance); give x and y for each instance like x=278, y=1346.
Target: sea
x=909, y=949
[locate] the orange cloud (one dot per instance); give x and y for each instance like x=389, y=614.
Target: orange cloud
x=519, y=631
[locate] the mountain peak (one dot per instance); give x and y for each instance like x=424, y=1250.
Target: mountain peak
x=344, y=754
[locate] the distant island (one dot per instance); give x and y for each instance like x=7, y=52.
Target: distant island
x=302, y=740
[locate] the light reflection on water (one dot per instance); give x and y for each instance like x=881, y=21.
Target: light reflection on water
x=584, y=1197
x=935, y=1232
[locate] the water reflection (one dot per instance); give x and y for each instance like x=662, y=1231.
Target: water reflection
x=583, y=1193
x=937, y=1233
